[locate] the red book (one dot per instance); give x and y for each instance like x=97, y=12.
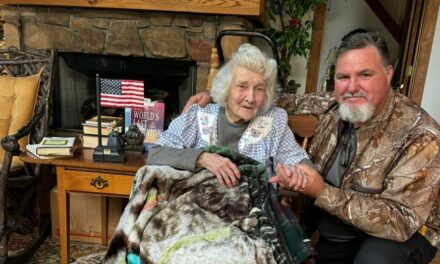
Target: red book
x=149, y=119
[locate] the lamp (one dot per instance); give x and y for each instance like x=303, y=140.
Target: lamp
x=114, y=151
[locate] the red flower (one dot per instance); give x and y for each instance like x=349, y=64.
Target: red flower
x=294, y=22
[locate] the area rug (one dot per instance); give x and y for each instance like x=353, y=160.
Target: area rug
x=95, y=258
x=81, y=252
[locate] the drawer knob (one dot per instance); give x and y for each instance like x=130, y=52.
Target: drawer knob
x=99, y=182
x=92, y=1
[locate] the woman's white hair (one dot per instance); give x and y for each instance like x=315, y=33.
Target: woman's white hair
x=251, y=58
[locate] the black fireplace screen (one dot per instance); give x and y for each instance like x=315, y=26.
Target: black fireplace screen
x=170, y=81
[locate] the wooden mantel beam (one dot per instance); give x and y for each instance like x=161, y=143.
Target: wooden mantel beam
x=226, y=7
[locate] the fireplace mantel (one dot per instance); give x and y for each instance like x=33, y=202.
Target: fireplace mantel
x=253, y=8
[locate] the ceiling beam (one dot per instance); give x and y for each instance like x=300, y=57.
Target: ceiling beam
x=378, y=9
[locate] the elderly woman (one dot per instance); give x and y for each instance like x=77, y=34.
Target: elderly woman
x=177, y=216
x=243, y=119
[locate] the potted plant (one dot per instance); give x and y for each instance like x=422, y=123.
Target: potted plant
x=289, y=30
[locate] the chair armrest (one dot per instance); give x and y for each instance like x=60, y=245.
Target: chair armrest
x=287, y=193
x=290, y=199
x=10, y=142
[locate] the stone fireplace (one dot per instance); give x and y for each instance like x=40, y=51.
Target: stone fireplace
x=134, y=34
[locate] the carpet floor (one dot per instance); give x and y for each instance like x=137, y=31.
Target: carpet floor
x=49, y=250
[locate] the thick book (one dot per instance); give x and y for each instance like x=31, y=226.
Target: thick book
x=106, y=121
x=91, y=141
x=105, y=130
x=149, y=119
x=53, y=146
x=32, y=149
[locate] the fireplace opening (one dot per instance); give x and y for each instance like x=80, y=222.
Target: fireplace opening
x=170, y=81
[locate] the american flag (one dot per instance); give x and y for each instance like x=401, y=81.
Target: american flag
x=122, y=93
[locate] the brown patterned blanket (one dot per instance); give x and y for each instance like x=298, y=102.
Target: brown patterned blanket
x=176, y=216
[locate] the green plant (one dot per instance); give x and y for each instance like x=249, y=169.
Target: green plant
x=290, y=33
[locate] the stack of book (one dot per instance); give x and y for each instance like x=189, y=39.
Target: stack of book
x=53, y=147
x=90, y=130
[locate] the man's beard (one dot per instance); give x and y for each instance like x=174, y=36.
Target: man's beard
x=355, y=113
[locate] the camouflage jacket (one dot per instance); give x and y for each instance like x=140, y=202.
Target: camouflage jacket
x=391, y=188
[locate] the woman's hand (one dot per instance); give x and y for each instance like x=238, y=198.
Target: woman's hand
x=223, y=168
x=299, y=178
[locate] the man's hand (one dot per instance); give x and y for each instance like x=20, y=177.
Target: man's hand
x=201, y=98
x=299, y=178
x=223, y=168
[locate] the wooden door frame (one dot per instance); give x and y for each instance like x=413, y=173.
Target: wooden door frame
x=315, y=50
x=422, y=51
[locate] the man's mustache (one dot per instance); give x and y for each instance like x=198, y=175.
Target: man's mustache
x=356, y=94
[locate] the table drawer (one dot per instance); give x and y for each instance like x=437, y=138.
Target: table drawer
x=101, y=182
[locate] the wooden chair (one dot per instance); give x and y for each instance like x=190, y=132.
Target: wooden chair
x=304, y=127
x=19, y=184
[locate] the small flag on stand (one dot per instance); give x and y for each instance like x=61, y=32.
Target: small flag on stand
x=122, y=93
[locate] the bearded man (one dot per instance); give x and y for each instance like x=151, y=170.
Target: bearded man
x=377, y=178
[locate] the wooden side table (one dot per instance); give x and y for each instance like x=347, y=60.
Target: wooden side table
x=82, y=174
